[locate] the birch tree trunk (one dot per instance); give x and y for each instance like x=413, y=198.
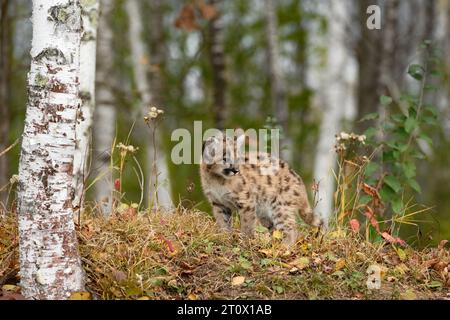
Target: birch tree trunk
x=105, y=111
x=4, y=112
x=217, y=60
x=277, y=86
x=158, y=186
x=49, y=262
x=339, y=102
x=87, y=95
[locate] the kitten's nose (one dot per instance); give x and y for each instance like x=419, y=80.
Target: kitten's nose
x=234, y=170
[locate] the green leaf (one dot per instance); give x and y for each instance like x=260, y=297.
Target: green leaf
x=409, y=169
x=370, y=132
x=278, y=289
x=432, y=110
x=385, y=100
x=410, y=124
x=371, y=168
x=435, y=284
x=393, y=182
x=413, y=184
x=387, y=194
x=416, y=71
x=397, y=205
x=398, y=118
x=370, y=116
x=430, y=120
x=365, y=199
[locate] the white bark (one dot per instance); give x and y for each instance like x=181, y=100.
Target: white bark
x=157, y=173
x=105, y=111
x=87, y=92
x=49, y=263
x=338, y=89
x=277, y=86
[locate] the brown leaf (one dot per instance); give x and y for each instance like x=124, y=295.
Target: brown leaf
x=208, y=11
x=186, y=19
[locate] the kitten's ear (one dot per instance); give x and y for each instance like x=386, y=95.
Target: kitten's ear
x=208, y=142
x=209, y=149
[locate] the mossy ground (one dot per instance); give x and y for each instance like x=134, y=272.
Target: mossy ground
x=181, y=255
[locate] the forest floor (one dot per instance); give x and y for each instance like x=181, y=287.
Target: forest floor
x=182, y=256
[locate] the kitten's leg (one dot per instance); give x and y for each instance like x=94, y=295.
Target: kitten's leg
x=306, y=213
x=248, y=219
x=222, y=215
x=284, y=220
x=266, y=222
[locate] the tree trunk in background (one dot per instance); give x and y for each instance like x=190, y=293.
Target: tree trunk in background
x=277, y=87
x=217, y=60
x=387, y=81
x=339, y=97
x=369, y=60
x=442, y=32
x=4, y=79
x=49, y=263
x=105, y=111
x=87, y=95
x=158, y=185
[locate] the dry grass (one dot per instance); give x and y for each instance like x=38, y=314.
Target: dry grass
x=182, y=256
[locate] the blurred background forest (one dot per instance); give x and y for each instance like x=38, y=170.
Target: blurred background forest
x=311, y=67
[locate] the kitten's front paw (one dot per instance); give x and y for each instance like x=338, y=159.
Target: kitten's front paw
x=320, y=222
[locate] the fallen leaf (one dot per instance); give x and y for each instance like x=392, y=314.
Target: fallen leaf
x=301, y=263
x=144, y=298
x=237, y=281
x=293, y=270
x=339, y=264
x=10, y=288
x=170, y=246
x=267, y=252
x=81, y=295
x=192, y=296
x=408, y=295
x=337, y=234
x=277, y=234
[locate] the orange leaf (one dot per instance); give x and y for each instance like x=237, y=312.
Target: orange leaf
x=371, y=216
x=388, y=237
x=170, y=246
x=208, y=11
x=354, y=224
x=400, y=241
x=186, y=19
